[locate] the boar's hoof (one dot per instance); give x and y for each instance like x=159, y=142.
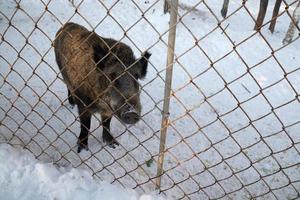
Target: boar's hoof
x=82, y=146
x=113, y=144
x=110, y=141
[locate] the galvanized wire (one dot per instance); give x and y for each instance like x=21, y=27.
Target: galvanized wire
x=187, y=172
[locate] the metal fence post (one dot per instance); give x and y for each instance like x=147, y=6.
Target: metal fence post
x=168, y=83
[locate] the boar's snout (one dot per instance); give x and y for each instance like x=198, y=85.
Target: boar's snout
x=130, y=115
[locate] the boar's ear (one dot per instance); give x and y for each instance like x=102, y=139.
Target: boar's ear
x=144, y=64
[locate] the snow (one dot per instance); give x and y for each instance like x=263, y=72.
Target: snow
x=235, y=124
x=23, y=177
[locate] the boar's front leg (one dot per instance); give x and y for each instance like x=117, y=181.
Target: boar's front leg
x=106, y=136
x=85, y=123
x=71, y=98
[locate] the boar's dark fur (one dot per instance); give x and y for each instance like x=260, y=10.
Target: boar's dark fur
x=101, y=76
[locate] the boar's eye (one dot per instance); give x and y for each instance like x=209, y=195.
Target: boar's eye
x=136, y=76
x=117, y=83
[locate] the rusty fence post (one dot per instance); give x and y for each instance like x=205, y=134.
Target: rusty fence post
x=167, y=93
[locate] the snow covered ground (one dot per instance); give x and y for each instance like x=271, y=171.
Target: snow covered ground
x=22, y=177
x=234, y=128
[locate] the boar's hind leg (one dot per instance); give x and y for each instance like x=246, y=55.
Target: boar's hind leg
x=106, y=136
x=85, y=123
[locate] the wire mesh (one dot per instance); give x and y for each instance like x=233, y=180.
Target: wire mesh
x=233, y=129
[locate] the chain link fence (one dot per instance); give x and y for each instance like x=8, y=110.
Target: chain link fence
x=225, y=125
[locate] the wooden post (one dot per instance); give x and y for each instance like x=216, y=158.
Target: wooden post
x=166, y=6
x=224, y=8
x=261, y=15
x=168, y=85
x=294, y=22
x=274, y=16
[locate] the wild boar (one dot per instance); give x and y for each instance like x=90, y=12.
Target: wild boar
x=101, y=75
